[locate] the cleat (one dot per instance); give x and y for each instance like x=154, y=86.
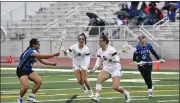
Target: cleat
x=150, y=92
x=95, y=98
x=31, y=99
x=127, y=96
x=90, y=93
x=19, y=100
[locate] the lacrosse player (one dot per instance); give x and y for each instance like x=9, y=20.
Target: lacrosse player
x=142, y=54
x=82, y=57
x=111, y=68
x=24, y=69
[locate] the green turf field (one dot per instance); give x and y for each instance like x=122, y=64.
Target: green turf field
x=60, y=87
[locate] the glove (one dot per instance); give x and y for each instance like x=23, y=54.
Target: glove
x=110, y=60
x=134, y=62
x=161, y=60
x=92, y=70
x=141, y=63
x=65, y=53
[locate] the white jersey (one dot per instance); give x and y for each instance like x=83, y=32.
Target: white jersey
x=80, y=54
x=107, y=54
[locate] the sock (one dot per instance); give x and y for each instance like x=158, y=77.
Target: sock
x=97, y=94
x=149, y=90
x=84, y=87
x=31, y=95
x=125, y=92
x=19, y=97
x=90, y=91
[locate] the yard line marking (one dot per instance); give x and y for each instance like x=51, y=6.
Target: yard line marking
x=17, y=77
x=91, y=79
x=92, y=87
x=70, y=70
x=143, y=97
x=50, y=95
x=169, y=101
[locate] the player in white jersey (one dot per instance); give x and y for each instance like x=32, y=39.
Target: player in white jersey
x=82, y=57
x=111, y=68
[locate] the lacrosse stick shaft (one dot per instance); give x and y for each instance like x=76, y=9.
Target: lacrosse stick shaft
x=74, y=61
x=146, y=62
x=121, y=52
x=59, y=51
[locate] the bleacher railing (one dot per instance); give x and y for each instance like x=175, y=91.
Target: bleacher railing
x=160, y=23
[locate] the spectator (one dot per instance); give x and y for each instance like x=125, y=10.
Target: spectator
x=141, y=14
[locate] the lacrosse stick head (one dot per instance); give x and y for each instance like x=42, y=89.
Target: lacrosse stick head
x=63, y=35
x=3, y=34
x=128, y=48
x=62, y=49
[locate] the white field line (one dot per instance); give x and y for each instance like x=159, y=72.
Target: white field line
x=16, y=77
x=167, y=101
x=70, y=70
x=93, y=87
x=94, y=79
x=133, y=98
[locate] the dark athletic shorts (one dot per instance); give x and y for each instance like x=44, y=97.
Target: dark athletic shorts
x=21, y=72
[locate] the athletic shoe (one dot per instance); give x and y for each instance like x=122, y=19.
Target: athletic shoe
x=127, y=96
x=150, y=92
x=31, y=99
x=95, y=98
x=90, y=93
x=19, y=100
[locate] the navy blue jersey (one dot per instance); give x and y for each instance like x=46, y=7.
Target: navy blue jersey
x=143, y=53
x=27, y=60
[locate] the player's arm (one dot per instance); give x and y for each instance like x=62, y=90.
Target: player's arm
x=87, y=57
x=69, y=50
x=98, y=62
x=154, y=53
x=115, y=57
x=43, y=61
x=135, y=55
x=44, y=56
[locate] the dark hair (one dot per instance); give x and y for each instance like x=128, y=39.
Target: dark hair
x=82, y=34
x=141, y=37
x=104, y=37
x=31, y=42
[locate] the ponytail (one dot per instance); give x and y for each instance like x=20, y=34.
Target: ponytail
x=31, y=42
x=24, y=52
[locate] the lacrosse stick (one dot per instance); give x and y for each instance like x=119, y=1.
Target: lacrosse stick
x=63, y=49
x=143, y=62
x=126, y=48
x=3, y=34
x=63, y=37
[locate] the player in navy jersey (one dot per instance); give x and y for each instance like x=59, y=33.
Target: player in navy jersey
x=143, y=54
x=24, y=69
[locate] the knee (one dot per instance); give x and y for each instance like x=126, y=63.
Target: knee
x=26, y=87
x=99, y=81
x=39, y=82
x=116, y=87
x=84, y=81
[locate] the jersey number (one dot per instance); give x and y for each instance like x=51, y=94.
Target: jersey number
x=104, y=58
x=144, y=56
